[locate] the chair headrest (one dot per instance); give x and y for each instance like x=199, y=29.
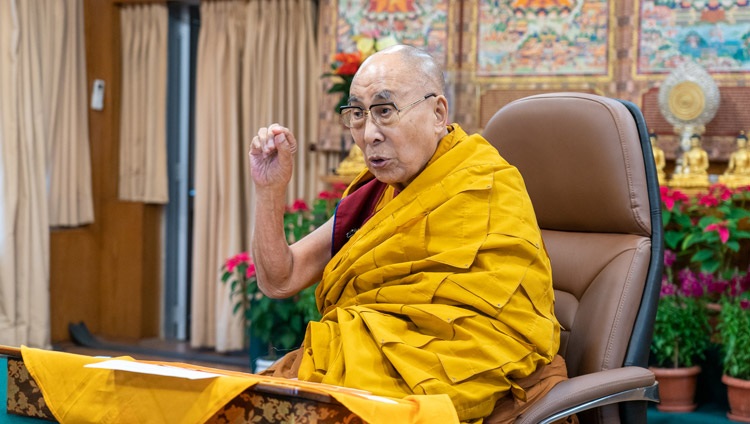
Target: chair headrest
x=581, y=159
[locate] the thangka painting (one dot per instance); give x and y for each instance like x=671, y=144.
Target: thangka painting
x=422, y=24
x=543, y=38
x=713, y=33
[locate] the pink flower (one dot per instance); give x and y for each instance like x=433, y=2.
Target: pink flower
x=327, y=195
x=690, y=286
x=669, y=257
x=708, y=201
x=680, y=196
x=670, y=197
x=721, y=191
x=237, y=259
x=666, y=198
x=298, y=206
x=745, y=304
x=721, y=228
x=667, y=290
x=250, y=271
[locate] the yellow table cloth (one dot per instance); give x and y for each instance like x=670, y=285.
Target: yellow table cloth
x=76, y=394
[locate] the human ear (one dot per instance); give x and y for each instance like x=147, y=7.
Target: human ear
x=441, y=112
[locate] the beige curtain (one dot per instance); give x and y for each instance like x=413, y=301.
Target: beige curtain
x=61, y=36
x=218, y=209
x=41, y=63
x=257, y=64
x=143, y=115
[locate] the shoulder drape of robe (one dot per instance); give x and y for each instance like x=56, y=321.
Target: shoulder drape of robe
x=446, y=289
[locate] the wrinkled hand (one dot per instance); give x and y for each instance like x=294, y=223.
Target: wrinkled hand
x=272, y=156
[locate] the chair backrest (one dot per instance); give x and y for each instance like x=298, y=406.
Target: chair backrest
x=587, y=164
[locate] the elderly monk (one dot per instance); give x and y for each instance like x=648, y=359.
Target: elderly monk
x=433, y=275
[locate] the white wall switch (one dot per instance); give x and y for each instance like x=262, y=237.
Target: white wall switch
x=97, y=95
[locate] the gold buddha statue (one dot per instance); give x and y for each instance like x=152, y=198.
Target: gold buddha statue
x=737, y=173
x=659, y=159
x=693, y=172
x=353, y=163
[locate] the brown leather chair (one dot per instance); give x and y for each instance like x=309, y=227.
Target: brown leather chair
x=589, y=170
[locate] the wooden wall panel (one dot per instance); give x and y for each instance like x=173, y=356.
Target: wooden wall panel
x=107, y=274
x=74, y=270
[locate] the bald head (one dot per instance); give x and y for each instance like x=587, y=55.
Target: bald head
x=400, y=136
x=412, y=63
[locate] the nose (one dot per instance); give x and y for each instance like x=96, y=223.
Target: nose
x=371, y=131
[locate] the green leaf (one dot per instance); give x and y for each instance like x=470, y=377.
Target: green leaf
x=672, y=239
x=339, y=88
x=710, y=266
x=666, y=216
x=733, y=245
x=702, y=255
x=690, y=240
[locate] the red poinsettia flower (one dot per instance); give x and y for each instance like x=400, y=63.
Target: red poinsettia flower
x=299, y=205
x=338, y=189
x=721, y=228
x=250, y=271
x=237, y=259
x=721, y=191
x=327, y=195
x=708, y=200
x=670, y=197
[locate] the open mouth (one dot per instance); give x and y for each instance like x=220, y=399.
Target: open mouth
x=377, y=161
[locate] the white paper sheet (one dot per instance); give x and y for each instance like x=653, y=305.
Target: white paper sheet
x=154, y=369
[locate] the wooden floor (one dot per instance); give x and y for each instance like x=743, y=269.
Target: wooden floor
x=161, y=350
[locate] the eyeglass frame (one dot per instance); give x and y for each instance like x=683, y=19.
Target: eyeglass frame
x=367, y=112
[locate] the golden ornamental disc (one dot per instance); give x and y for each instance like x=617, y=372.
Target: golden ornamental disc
x=686, y=100
x=689, y=96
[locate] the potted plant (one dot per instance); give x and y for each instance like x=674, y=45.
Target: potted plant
x=734, y=332
x=278, y=323
x=681, y=336
x=707, y=230
x=710, y=234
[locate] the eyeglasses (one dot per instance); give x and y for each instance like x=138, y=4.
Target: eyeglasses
x=382, y=114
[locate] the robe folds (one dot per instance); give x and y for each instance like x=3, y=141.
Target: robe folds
x=446, y=289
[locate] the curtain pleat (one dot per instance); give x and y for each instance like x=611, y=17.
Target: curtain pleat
x=219, y=184
x=45, y=169
x=143, y=115
x=24, y=217
x=64, y=84
x=252, y=71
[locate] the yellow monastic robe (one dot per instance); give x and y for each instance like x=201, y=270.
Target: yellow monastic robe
x=446, y=289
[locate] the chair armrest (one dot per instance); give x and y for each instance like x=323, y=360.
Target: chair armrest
x=593, y=390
